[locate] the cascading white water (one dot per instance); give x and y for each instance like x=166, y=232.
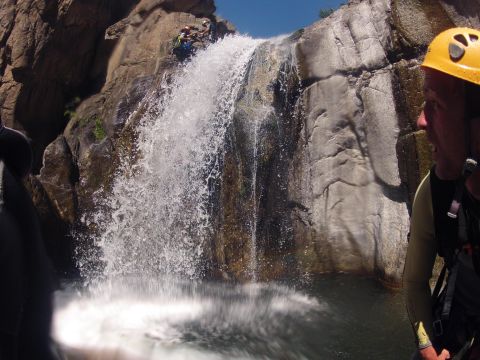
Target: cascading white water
x=254, y=220
x=156, y=220
x=155, y=224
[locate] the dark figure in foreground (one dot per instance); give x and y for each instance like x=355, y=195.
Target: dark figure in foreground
x=27, y=279
x=446, y=209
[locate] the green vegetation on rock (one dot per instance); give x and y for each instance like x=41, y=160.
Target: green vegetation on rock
x=99, y=131
x=326, y=12
x=70, y=112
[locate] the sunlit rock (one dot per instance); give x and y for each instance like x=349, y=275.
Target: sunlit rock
x=321, y=184
x=352, y=39
x=357, y=208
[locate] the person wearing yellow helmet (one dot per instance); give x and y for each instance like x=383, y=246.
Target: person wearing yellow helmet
x=446, y=209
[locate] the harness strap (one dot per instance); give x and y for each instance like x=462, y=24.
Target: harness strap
x=461, y=353
x=450, y=291
x=446, y=297
x=468, y=168
x=438, y=285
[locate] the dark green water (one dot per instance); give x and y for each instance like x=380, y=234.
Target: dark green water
x=367, y=321
x=331, y=317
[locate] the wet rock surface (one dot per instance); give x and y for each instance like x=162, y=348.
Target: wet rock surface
x=74, y=73
x=71, y=73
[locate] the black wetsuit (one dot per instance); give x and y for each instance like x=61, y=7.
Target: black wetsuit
x=422, y=251
x=27, y=279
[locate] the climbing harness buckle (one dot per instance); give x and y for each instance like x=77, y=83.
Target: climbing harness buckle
x=452, y=213
x=469, y=167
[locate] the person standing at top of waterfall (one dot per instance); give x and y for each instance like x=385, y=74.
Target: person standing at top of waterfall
x=27, y=277
x=210, y=30
x=446, y=208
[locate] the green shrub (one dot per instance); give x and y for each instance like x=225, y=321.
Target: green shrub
x=99, y=131
x=69, y=114
x=328, y=11
x=70, y=107
x=325, y=13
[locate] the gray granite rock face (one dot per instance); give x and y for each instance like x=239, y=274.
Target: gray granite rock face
x=352, y=39
x=356, y=207
x=381, y=121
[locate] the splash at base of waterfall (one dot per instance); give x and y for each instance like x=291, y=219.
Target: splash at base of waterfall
x=335, y=317
x=163, y=318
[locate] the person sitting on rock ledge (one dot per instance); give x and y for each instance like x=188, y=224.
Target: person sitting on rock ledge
x=446, y=209
x=183, y=43
x=27, y=275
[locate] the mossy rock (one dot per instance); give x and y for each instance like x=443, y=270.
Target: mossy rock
x=410, y=79
x=419, y=21
x=415, y=160
x=424, y=153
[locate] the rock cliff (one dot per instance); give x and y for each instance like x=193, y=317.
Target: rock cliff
x=334, y=191
x=357, y=214
x=360, y=159
x=73, y=74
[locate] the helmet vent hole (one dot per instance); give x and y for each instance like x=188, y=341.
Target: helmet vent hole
x=456, y=51
x=461, y=38
x=473, y=37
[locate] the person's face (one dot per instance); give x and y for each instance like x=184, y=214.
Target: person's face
x=443, y=120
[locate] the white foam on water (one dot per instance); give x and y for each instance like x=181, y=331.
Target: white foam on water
x=163, y=318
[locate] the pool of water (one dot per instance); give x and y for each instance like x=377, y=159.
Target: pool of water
x=329, y=317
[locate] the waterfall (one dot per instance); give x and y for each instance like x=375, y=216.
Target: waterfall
x=263, y=128
x=156, y=219
x=257, y=112
x=254, y=220
x=217, y=135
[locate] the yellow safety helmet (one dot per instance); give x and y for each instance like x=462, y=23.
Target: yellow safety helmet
x=456, y=52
